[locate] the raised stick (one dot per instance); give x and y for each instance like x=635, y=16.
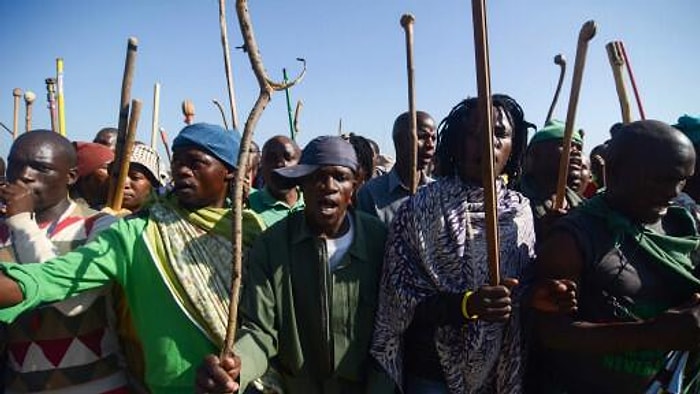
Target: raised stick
x=267, y=87
x=221, y=110
x=17, y=93
x=188, y=111
x=483, y=81
x=561, y=61
x=60, y=98
x=407, y=21
x=227, y=65
x=617, y=62
x=586, y=33
x=297, y=112
x=642, y=115
x=166, y=144
x=51, y=100
x=125, y=159
x=156, y=111
x=29, y=98
x=127, y=80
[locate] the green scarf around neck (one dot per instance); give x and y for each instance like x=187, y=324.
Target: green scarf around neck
x=672, y=253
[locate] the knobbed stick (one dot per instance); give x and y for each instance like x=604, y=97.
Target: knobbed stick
x=267, y=87
x=29, y=98
x=586, y=33
x=561, y=61
x=617, y=62
x=156, y=112
x=642, y=115
x=188, y=111
x=51, y=99
x=407, y=21
x=483, y=82
x=227, y=65
x=125, y=159
x=127, y=80
x=17, y=93
x=60, y=100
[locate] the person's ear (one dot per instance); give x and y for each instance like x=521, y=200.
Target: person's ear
x=72, y=176
x=230, y=175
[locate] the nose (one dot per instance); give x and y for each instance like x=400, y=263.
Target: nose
x=329, y=184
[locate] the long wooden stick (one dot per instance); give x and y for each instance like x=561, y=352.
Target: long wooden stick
x=617, y=62
x=51, y=99
x=221, y=110
x=188, y=111
x=127, y=80
x=297, y=113
x=156, y=112
x=483, y=81
x=227, y=64
x=561, y=61
x=267, y=87
x=407, y=22
x=586, y=33
x=633, y=81
x=60, y=99
x=16, y=93
x=166, y=144
x=125, y=159
x=29, y=98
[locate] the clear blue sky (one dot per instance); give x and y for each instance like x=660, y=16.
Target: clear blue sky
x=356, y=60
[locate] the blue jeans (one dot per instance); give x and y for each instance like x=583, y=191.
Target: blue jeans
x=416, y=385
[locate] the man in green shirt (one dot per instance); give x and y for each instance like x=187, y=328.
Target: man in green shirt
x=172, y=260
x=310, y=289
x=276, y=200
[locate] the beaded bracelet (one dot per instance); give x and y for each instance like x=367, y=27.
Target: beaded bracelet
x=465, y=300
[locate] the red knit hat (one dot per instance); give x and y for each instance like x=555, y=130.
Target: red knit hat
x=92, y=156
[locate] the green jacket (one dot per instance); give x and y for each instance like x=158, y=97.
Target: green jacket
x=317, y=324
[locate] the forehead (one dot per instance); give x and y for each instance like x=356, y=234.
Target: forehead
x=35, y=149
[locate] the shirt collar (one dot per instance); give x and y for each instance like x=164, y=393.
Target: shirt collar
x=395, y=181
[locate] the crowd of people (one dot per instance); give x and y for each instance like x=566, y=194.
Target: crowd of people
x=351, y=282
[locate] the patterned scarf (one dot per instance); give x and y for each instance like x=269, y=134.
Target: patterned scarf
x=437, y=244
x=192, y=251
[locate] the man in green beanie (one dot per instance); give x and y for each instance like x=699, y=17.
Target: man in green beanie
x=541, y=172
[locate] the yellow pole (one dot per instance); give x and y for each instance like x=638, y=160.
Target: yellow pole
x=61, y=102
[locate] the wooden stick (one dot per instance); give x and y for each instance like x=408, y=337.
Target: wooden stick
x=227, y=64
x=642, y=115
x=617, y=62
x=17, y=93
x=156, y=111
x=29, y=98
x=561, y=61
x=297, y=112
x=586, y=33
x=340, y=126
x=407, y=22
x=60, y=97
x=166, y=145
x=131, y=49
x=221, y=110
x=51, y=99
x=6, y=128
x=483, y=81
x=267, y=87
x=125, y=159
x=601, y=163
x=188, y=111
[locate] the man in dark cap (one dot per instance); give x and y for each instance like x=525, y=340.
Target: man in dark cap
x=310, y=288
x=107, y=136
x=629, y=251
x=541, y=172
x=173, y=261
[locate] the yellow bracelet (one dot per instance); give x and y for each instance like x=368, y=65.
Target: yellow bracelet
x=465, y=300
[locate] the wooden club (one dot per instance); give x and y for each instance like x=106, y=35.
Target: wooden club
x=559, y=60
x=617, y=62
x=17, y=93
x=407, y=22
x=29, y=98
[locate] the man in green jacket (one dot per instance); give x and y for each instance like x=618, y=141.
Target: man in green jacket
x=172, y=260
x=310, y=289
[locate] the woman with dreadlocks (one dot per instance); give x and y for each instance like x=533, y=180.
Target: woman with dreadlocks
x=439, y=327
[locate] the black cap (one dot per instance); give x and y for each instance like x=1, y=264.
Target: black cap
x=321, y=151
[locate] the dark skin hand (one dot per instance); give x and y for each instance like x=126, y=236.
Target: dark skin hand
x=555, y=296
x=493, y=303
x=16, y=198
x=216, y=375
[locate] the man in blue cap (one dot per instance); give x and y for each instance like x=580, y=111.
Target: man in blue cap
x=310, y=288
x=172, y=261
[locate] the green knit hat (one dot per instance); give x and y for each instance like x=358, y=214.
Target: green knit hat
x=690, y=126
x=554, y=130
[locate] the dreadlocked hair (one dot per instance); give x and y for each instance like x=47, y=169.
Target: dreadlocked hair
x=451, y=132
x=364, y=152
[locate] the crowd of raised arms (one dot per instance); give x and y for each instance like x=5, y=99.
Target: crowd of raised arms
x=351, y=283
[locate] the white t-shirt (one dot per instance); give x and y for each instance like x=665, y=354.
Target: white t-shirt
x=337, y=247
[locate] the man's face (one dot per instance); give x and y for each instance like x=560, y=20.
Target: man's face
x=327, y=195
x=426, y=142
x=200, y=180
x=544, y=161
x=42, y=169
x=137, y=188
x=278, y=154
x=470, y=166
x=95, y=185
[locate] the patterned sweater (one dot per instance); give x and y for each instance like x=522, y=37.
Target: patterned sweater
x=65, y=347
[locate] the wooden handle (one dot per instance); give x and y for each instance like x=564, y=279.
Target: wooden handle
x=483, y=82
x=156, y=112
x=617, y=62
x=587, y=32
x=227, y=65
x=633, y=81
x=188, y=111
x=127, y=80
x=166, y=145
x=51, y=98
x=17, y=93
x=29, y=98
x=561, y=61
x=297, y=112
x=125, y=159
x=407, y=21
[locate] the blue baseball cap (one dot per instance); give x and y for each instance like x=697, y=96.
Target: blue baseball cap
x=321, y=151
